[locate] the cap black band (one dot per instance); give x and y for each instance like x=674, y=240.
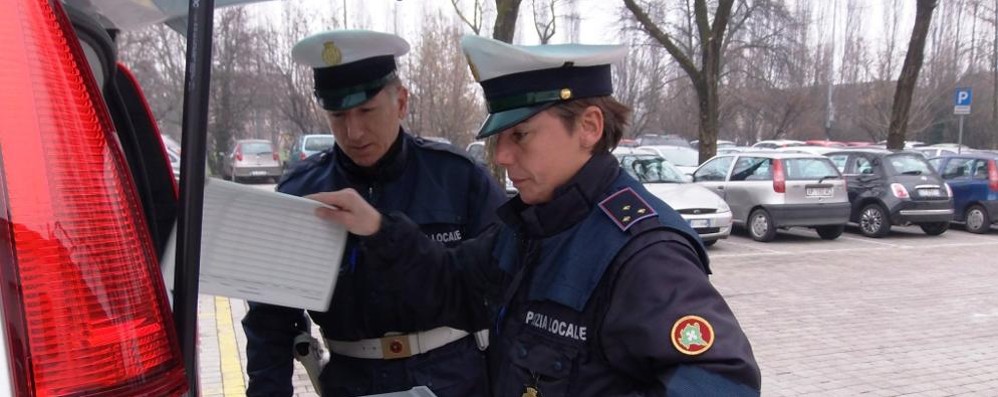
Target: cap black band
x=542, y=86
x=345, y=86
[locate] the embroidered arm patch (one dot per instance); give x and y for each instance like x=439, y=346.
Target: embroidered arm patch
x=626, y=207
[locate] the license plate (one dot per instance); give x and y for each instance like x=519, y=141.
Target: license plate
x=929, y=192
x=257, y=173
x=700, y=222
x=818, y=192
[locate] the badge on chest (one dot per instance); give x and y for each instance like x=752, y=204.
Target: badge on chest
x=556, y=326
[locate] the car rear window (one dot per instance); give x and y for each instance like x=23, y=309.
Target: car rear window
x=256, y=147
x=651, y=169
x=809, y=169
x=908, y=164
x=319, y=143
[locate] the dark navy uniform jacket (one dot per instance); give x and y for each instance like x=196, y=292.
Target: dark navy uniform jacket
x=602, y=291
x=450, y=198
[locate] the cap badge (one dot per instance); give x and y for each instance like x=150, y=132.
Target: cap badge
x=330, y=54
x=692, y=335
x=565, y=94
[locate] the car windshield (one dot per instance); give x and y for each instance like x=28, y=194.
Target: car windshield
x=810, y=169
x=318, y=143
x=256, y=147
x=669, y=140
x=681, y=157
x=909, y=164
x=651, y=169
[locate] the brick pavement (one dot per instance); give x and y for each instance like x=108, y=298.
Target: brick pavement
x=908, y=315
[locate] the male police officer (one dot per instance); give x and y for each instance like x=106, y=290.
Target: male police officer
x=597, y=287
x=376, y=344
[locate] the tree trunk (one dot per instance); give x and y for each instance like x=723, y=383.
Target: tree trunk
x=706, y=77
x=506, y=13
x=909, y=74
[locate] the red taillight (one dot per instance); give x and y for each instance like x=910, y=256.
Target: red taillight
x=993, y=175
x=276, y=157
x=779, y=177
x=302, y=156
x=84, y=306
x=239, y=155
x=899, y=191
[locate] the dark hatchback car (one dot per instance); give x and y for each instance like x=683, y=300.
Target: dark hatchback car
x=973, y=177
x=894, y=188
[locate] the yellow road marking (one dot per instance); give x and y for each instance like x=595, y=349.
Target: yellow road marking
x=232, y=369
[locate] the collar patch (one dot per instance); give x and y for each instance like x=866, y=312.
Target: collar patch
x=626, y=208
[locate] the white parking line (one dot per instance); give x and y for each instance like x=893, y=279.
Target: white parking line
x=851, y=249
x=755, y=246
x=869, y=240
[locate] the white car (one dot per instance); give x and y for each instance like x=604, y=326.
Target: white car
x=683, y=158
x=704, y=210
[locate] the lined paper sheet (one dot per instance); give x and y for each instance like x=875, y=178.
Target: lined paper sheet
x=268, y=247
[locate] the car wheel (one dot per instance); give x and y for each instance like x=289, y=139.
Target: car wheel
x=830, y=232
x=934, y=228
x=873, y=221
x=708, y=243
x=978, y=220
x=760, y=226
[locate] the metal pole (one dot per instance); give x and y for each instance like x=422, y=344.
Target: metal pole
x=959, y=139
x=197, y=79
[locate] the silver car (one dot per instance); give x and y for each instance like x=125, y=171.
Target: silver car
x=252, y=158
x=705, y=211
x=771, y=190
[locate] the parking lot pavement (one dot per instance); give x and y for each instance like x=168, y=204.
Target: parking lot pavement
x=909, y=314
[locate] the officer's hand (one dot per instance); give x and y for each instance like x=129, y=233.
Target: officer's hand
x=353, y=212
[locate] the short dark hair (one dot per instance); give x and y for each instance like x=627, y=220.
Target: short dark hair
x=616, y=118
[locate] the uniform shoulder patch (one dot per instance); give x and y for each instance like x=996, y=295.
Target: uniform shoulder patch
x=692, y=335
x=626, y=207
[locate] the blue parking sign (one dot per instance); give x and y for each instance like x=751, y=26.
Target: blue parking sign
x=963, y=97
x=961, y=101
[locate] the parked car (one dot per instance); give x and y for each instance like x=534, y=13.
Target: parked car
x=252, y=158
x=704, y=210
x=973, y=178
x=930, y=152
x=778, y=143
x=721, y=144
x=305, y=146
x=894, y=188
x=683, y=158
x=85, y=308
x=768, y=190
x=666, y=140
x=825, y=143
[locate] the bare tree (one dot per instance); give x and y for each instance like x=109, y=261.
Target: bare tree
x=474, y=21
x=440, y=103
x=156, y=56
x=705, y=78
x=909, y=74
x=545, y=19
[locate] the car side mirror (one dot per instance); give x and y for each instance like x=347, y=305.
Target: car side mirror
x=688, y=178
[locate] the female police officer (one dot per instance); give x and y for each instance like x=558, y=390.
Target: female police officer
x=597, y=288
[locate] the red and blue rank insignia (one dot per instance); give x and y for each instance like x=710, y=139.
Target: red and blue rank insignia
x=626, y=208
x=692, y=335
